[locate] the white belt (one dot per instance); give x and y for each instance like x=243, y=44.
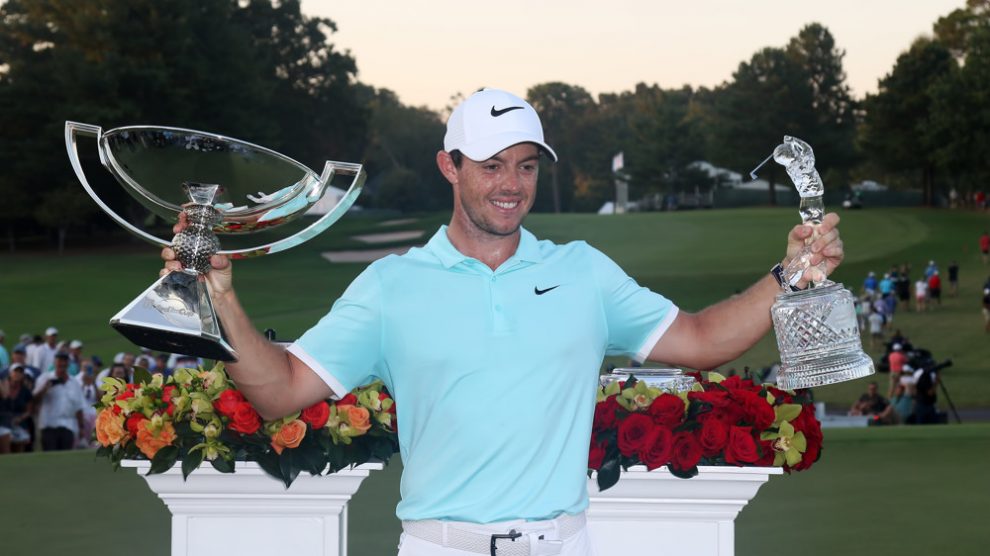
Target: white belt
x=523, y=539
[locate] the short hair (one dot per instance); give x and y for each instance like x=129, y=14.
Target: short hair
x=457, y=157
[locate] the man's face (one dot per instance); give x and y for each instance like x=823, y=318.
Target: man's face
x=872, y=389
x=493, y=196
x=128, y=360
x=61, y=367
x=52, y=339
x=17, y=357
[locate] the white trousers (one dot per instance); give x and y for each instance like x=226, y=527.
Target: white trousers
x=578, y=544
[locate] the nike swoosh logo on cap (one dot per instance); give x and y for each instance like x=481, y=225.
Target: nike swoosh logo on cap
x=497, y=113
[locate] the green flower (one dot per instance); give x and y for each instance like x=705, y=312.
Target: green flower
x=788, y=446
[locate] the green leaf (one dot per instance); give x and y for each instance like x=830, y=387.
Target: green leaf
x=192, y=461
x=164, y=460
x=787, y=412
x=141, y=376
x=289, y=466
x=104, y=451
x=222, y=465
x=270, y=465
x=609, y=474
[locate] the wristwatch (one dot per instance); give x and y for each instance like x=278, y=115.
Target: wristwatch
x=778, y=274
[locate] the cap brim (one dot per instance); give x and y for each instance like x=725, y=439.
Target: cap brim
x=491, y=146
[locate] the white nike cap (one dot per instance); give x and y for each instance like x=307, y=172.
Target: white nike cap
x=490, y=121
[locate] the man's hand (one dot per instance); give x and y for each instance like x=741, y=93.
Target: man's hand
x=825, y=244
x=219, y=279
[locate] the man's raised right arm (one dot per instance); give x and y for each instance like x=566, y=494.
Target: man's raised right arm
x=276, y=382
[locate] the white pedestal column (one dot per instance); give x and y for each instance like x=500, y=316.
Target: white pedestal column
x=656, y=512
x=250, y=513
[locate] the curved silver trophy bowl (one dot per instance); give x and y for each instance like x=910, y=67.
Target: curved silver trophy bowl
x=816, y=328
x=225, y=186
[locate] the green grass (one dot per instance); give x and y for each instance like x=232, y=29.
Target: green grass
x=694, y=258
x=903, y=490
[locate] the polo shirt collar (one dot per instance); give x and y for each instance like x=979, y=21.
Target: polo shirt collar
x=440, y=245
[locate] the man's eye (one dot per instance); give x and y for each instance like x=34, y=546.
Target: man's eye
x=491, y=167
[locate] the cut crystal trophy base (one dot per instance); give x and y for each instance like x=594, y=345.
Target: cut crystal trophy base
x=175, y=315
x=825, y=370
x=818, y=338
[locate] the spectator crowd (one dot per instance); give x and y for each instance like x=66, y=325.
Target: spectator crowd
x=48, y=388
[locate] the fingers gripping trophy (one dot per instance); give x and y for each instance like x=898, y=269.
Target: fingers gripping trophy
x=816, y=328
x=223, y=186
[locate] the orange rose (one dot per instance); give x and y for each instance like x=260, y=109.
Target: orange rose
x=149, y=443
x=358, y=417
x=289, y=436
x=110, y=428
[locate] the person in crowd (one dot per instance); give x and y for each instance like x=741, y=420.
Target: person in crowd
x=118, y=371
x=895, y=360
x=870, y=284
x=161, y=364
x=902, y=286
x=122, y=358
x=985, y=246
x=44, y=355
x=876, y=328
x=890, y=307
x=60, y=407
x=986, y=310
x=921, y=295
x=91, y=394
x=4, y=355
x=953, y=278
x=870, y=403
x=898, y=410
x=880, y=307
x=15, y=410
x=932, y=268
x=33, y=351
x=925, y=384
x=485, y=306
x=886, y=285
x=935, y=289
x=19, y=357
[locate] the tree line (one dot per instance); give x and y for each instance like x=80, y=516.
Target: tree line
x=262, y=71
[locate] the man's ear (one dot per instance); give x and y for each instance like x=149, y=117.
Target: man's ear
x=446, y=165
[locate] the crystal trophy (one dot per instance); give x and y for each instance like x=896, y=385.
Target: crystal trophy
x=668, y=380
x=254, y=196
x=816, y=328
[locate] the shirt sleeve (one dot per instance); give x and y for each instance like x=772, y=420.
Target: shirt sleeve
x=344, y=348
x=636, y=316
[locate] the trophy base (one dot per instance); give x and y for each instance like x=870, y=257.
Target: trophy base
x=825, y=370
x=175, y=315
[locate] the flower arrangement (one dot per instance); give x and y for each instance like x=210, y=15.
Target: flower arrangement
x=198, y=415
x=720, y=421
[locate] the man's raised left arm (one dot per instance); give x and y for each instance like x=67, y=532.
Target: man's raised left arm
x=724, y=331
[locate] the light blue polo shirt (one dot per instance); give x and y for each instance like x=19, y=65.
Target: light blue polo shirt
x=494, y=373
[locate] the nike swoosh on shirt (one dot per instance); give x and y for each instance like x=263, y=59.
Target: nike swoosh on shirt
x=538, y=291
x=497, y=113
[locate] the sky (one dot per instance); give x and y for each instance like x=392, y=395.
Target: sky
x=427, y=52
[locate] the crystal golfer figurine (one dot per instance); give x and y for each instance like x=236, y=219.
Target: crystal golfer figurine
x=816, y=328
x=225, y=186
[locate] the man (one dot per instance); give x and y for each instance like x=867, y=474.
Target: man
x=870, y=403
x=986, y=309
x=491, y=342
x=985, y=246
x=44, y=354
x=60, y=398
x=895, y=361
x=4, y=356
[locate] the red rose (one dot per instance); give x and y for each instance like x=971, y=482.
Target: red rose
x=657, y=452
x=736, y=382
x=807, y=423
x=228, y=402
x=245, y=419
x=766, y=459
x=742, y=446
x=596, y=455
x=779, y=395
x=316, y=415
x=757, y=411
x=687, y=451
x=717, y=398
x=667, y=410
x=382, y=396
x=605, y=413
x=133, y=423
x=633, y=433
x=349, y=399
x=125, y=395
x=167, y=393
x=713, y=437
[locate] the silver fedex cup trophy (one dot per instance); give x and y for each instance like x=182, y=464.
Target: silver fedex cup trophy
x=816, y=328
x=225, y=186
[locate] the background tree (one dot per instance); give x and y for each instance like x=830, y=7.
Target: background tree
x=897, y=132
x=561, y=107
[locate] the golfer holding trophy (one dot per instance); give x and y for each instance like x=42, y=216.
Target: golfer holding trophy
x=491, y=341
